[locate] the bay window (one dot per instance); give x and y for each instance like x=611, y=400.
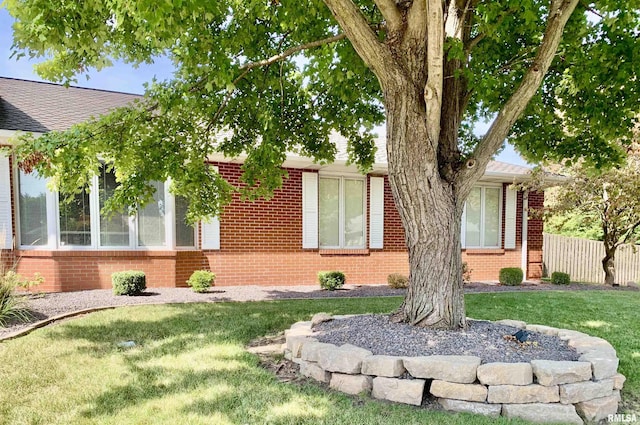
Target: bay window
x=481, y=221
x=45, y=220
x=341, y=212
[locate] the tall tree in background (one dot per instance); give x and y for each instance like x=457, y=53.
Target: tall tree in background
x=609, y=198
x=282, y=74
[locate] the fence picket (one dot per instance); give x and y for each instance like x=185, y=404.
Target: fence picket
x=582, y=259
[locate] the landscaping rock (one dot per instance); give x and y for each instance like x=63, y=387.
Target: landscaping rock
x=546, y=330
x=492, y=410
x=295, y=343
x=466, y=392
x=388, y=366
x=505, y=374
x=550, y=372
x=345, y=359
x=618, y=381
x=310, y=350
x=299, y=328
x=604, y=364
x=590, y=343
x=513, y=323
x=583, y=391
x=566, y=334
x=312, y=370
x=542, y=413
x=459, y=369
x=408, y=391
x=351, y=384
x=523, y=394
x=320, y=318
x=598, y=409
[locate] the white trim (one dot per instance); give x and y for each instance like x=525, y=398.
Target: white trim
x=210, y=231
x=342, y=205
x=376, y=212
x=6, y=225
x=510, y=212
x=463, y=226
x=525, y=222
x=310, y=211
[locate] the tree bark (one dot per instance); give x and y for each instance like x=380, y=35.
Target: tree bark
x=431, y=214
x=609, y=266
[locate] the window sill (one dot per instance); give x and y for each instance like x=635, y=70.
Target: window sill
x=484, y=251
x=343, y=252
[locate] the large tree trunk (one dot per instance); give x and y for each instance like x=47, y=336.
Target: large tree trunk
x=430, y=213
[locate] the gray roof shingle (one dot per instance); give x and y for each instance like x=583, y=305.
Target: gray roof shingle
x=41, y=107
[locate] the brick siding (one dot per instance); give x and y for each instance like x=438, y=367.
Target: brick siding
x=261, y=244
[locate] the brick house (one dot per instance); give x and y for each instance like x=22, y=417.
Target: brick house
x=323, y=218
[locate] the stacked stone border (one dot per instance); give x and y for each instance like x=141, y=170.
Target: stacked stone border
x=545, y=391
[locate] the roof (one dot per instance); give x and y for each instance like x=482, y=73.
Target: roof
x=40, y=107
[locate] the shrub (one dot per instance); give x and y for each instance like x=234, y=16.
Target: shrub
x=466, y=272
x=559, y=278
x=397, y=281
x=129, y=283
x=511, y=276
x=201, y=280
x=331, y=280
x=11, y=305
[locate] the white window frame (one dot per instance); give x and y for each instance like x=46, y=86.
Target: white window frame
x=463, y=236
x=53, y=224
x=341, y=209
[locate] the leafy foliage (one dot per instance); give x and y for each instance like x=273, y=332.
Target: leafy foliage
x=201, y=280
x=250, y=81
x=511, y=276
x=331, y=280
x=560, y=278
x=129, y=283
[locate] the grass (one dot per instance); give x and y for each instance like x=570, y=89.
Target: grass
x=190, y=367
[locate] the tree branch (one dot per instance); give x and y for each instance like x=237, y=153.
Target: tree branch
x=435, y=69
x=391, y=14
x=356, y=27
x=560, y=11
x=292, y=51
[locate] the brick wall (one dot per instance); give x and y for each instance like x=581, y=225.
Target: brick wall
x=261, y=244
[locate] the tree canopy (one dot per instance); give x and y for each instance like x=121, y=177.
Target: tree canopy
x=283, y=75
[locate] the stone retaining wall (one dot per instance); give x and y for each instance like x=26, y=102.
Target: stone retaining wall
x=540, y=391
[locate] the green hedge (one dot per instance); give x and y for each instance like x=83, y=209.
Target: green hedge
x=201, y=280
x=331, y=280
x=560, y=278
x=511, y=276
x=131, y=282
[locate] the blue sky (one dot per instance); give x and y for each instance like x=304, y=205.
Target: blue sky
x=120, y=77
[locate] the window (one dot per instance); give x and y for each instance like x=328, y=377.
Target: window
x=341, y=212
x=46, y=219
x=482, y=218
x=151, y=224
x=185, y=234
x=33, y=209
x=114, y=229
x=75, y=220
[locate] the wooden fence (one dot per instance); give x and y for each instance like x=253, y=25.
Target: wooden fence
x=582, y=259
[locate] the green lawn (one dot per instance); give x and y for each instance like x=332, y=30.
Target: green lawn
x=190, y=366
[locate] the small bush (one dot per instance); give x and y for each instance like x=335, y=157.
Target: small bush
x=12, y=306
x=397, y=281
x=331, y=280
x=511, y=276
x=201, y=280
x=129, y=283
x=466, y=273
x=559, y=278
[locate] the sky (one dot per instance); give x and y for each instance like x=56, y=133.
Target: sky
x=125, y=78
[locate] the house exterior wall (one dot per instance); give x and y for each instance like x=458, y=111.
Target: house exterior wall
x=261, y=244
